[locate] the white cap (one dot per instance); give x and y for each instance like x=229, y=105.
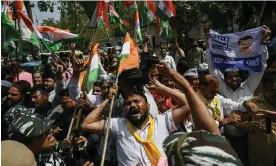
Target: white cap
x=111, y=78
x=203, y=67
x=6, y=83
x=191, y=72
x=232, y=69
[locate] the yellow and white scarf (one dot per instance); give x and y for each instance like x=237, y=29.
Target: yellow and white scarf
x=215, y=109
x=151, y=150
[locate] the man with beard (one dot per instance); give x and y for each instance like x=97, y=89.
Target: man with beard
x=138, y=135
x=53, y=84
x=16, y=96
x=43, y=108
x=266, y=101
x=231, y=85
x=195, y=56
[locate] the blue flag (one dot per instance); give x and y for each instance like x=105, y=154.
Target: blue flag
x=242, y=49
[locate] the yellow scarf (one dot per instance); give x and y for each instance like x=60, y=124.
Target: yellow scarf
x=215, y=110
x=151, y=150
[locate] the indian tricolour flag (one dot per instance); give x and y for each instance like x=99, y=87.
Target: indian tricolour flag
x=26, y=31
x=163, y=28
x=55, y=34
x=29, y=30
x=115, y=18
x=151, y=9
x=100, y=17
x=129, y=57
x=137, y=27
x=93, y=73
x=165, y=10
x=7, y=24
x=131, y=5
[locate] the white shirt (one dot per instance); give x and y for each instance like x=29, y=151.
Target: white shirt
x=177, y=56
x=169, y=59
x=226, y=106
x=54, y=94
x=94, y=99
x=247, y=88
x=129, y=151
x=153, y=110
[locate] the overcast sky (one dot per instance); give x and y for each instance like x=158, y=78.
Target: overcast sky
x=39, y=16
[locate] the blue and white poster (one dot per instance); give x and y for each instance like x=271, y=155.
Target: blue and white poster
x=241, y=49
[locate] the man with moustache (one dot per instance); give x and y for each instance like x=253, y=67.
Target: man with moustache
x=138, y=135
x=231, y=83
x=53, y=83
x=16, y=96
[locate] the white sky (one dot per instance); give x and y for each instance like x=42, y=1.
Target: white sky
x=39, y=16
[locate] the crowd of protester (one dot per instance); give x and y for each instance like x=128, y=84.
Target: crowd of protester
x=175, y=109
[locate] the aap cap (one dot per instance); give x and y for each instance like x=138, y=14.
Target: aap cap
x=29, y=126
x=232, y=69
x=16, y=154
x=203, y=67
x=6, y=83
x=191, y=72
x=111, y=78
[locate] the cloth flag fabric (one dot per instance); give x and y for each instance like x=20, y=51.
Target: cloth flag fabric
x=27, y=33
x=115, y=18
x=131, y=5
x=138, y=33
x=163, y=28
x=129, y=57
x=7, y=24
x=241, y=49
x=56, y=35
x=93, y=72
x=165, y=10
x=100, y=17
x=151, y=9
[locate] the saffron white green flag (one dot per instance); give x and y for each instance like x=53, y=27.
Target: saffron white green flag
x=94, y=68
x=26, y=32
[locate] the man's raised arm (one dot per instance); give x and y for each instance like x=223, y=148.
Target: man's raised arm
x=202, y=119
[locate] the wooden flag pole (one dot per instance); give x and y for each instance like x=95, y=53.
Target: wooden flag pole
x=108, y=124
x=54, y=55
x=83, y=89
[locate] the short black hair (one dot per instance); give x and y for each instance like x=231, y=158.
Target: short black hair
x=269, y=77
x=37, y=71
x=49, y=74
x=271, y=59
x=138, y=93
x=244, y=38
x=39, y=87
x=97, y=84
x=226, y=73
x=23, y=87
x=64, y=93
x=203, y=82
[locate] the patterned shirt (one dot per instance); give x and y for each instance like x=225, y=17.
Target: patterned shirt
x=50, y=158
x=199, y=148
